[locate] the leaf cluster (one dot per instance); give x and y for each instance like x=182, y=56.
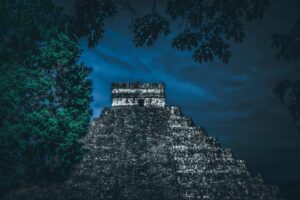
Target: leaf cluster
x=207, y=26
x=288, y=45
x=210, y=25
x=289, y=92
x=147, y=29
x=90, y=16
x=288, y=48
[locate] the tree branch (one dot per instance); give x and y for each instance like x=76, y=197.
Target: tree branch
x=127, y=5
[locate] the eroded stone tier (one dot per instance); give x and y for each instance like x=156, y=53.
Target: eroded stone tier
x=138, y=94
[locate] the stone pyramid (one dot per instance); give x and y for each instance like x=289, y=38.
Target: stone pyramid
x=140, y=149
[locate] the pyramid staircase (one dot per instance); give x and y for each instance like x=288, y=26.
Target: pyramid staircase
x=192, y=164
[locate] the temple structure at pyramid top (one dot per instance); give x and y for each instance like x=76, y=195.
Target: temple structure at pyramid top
x=138, y=94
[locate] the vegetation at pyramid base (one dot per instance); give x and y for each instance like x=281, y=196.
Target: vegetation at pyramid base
x=45, y=94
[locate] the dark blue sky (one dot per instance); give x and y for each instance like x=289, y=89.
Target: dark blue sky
x=234, y=101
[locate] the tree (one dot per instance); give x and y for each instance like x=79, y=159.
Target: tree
x=45, y=94
x=288, y=47
x=207, y=27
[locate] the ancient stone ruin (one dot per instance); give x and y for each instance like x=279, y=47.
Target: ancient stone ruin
x=141, y=149
x=142, y=95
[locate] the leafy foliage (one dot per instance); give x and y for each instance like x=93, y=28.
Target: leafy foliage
x=45, y=94
x=90, y=16
x=288, y=47
x=289, y=92
x=147, y=29
x=207, y=25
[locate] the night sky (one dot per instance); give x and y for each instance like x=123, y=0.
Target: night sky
x=234, y=102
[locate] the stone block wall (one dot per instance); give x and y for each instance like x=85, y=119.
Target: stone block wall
x=138, y=94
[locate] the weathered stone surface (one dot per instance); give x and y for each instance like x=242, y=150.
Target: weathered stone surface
x=138, y=94
x=154, y=152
